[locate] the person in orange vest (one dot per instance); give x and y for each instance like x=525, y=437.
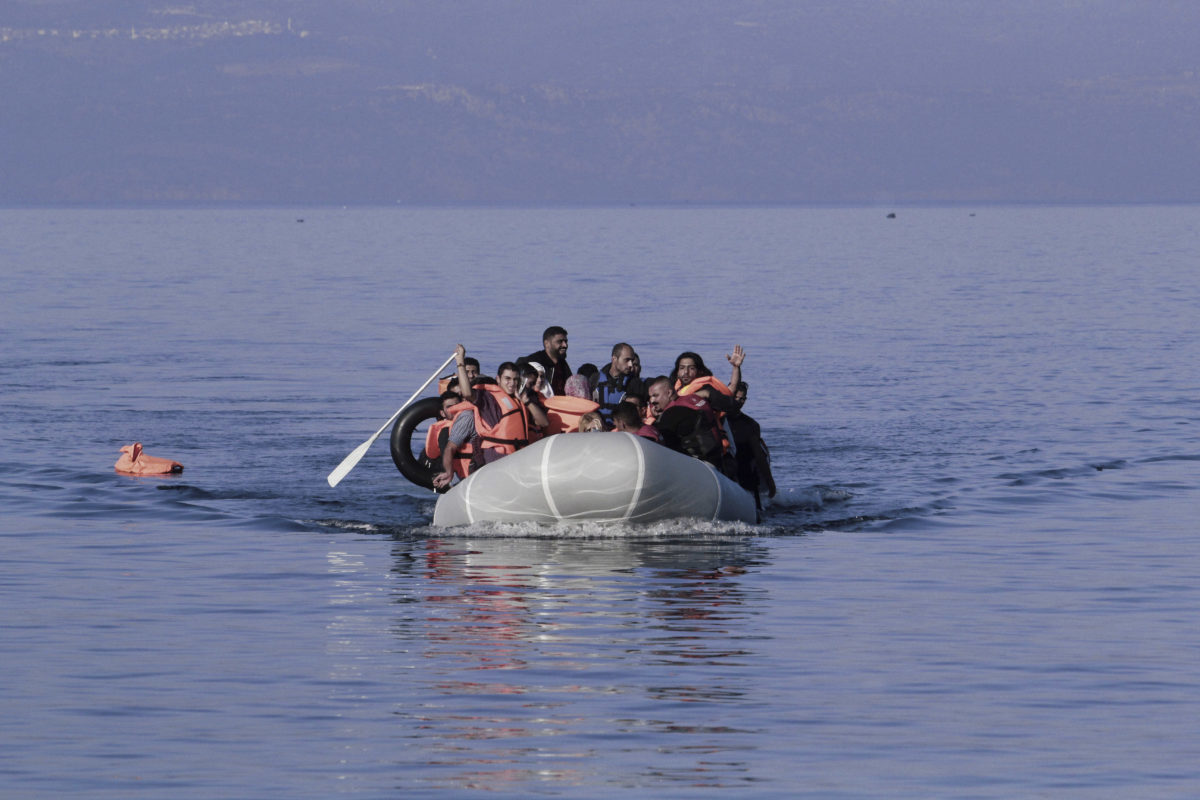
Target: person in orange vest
x=438, y=435
x=497, y=421
x=450, y=382
x=690, y=374
x=688, y=423
x=472, y=367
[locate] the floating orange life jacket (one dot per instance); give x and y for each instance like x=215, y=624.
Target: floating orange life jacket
x=511, y=431
x=565, y=411
x=134, y=462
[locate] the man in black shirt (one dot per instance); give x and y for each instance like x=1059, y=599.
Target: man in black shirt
x=553, y=357
x=753, y=458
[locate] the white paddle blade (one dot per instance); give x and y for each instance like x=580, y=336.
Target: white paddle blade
x=348, y=463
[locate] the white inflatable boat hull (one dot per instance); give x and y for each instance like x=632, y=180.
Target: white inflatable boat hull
x=594, y=477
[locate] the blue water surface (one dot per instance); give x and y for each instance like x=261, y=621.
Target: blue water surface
x=981, y=577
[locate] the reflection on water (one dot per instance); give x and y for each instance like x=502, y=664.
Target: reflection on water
x=995, y=415
x=548, y=660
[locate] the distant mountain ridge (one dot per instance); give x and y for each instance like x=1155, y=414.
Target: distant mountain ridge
x=542, y=103
x=207, y=30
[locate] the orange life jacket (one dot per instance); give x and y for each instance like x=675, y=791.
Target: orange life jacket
x=433, y=440
x=705, y=436
x=565, y=411
x=511, y=431
x=699, y=383
x=433, y=448
x=134, y=462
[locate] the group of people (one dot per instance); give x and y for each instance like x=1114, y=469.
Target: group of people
x=689, y=410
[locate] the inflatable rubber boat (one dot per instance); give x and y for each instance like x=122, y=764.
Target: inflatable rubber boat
x=594, y=477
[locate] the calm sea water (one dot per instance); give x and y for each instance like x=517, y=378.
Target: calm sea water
x=982, y=577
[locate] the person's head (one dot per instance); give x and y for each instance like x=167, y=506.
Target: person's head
x=622, y=359
x=508, y=375
x=540, y=383
x=592, y=373
x=661, y=393
x=449, y=398
x=636, y=400
x=625, y=417
x=577, y=386
x=471, y=365
x=591, y=421
x=554, y=342
x=688, y=367
x=740, y=392
x=530, y=377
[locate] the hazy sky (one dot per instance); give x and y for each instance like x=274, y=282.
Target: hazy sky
x=548, y=101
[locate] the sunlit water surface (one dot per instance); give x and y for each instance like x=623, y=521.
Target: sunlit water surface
x=981, y=577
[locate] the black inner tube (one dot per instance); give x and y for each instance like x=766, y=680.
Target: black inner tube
x=419, y=469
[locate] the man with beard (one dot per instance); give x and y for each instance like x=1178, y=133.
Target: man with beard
x=553, y=357
x=618, y=379
x=689, y=424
